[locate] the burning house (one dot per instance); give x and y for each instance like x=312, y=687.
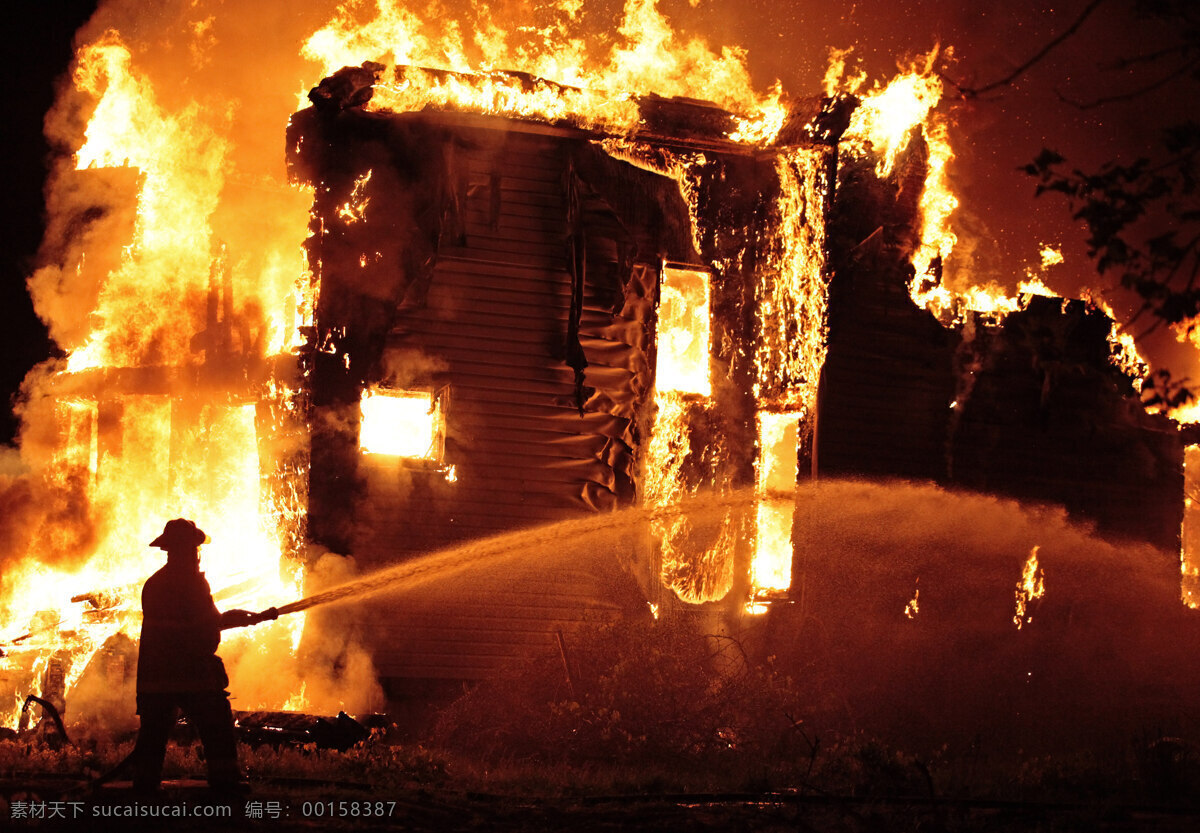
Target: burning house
x=522, y=302
x=520, y=321
x=523, y=319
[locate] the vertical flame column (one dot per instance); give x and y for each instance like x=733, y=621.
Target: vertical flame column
x=695, y=561
x=790, y=300
x=1189, y=556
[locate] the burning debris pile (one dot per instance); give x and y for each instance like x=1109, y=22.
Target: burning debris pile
x=481, y=299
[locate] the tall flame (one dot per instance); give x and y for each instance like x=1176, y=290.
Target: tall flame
x=180, y=164
x=165, y=400
x=775, y=476
x=792, y=289
x=1031, y=586
x=1189, y=555
x=882, y=127
x=888, y=117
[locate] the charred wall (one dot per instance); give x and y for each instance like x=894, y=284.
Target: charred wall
x=364, y=273
x=887, y=382
x=1047, y=417
x=501, y=269
x=1030, y=408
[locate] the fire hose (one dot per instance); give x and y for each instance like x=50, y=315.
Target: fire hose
x=268, y=615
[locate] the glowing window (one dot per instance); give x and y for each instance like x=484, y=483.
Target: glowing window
x=778, y=438
x=771, y=565
x=684, y=335
x=401, y=423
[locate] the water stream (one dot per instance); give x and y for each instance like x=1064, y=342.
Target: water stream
x=494, y=550
x=903, y=611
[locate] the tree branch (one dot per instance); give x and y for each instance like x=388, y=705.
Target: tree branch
x=1145, y=307
x=1195, y=272
x=969, y=92
x=1182, y=259
x=1146, y=57
x=1158, y=322
x=1125, y=96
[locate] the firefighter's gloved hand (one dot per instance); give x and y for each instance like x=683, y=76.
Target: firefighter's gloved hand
x=237, y=619
x=267, y=615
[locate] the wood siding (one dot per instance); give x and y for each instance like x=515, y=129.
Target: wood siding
x=530, y=440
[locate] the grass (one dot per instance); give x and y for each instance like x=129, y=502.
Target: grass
x=649, y=714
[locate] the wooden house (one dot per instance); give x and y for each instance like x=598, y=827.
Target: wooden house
x=491, y=293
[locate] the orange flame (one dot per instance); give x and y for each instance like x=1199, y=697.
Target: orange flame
x=684, y=333
x=883, y=125
x=1125, y=354
x=154, y=431
x=172, y=238
x=914, y=604
x=775, y=476
x=792, y=289
x=888, y=117
x=1189, y=554
x=354, y=210
x=400, y=424
x=575, y=82
x=1031, y=586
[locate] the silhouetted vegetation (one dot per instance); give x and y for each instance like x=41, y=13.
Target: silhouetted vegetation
x=1143, y=216
x=659, y=697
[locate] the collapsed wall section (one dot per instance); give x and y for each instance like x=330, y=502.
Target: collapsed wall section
x=1049, y=418
x=1031, y=407
x=887, y=382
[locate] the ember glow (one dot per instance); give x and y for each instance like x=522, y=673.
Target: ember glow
x=914, y=604
x=354, y=211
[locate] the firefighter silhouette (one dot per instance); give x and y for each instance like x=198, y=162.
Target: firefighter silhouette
x=178, y=667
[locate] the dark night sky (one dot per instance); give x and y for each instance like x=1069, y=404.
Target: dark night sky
x=39, y=49
x=1002, y=225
